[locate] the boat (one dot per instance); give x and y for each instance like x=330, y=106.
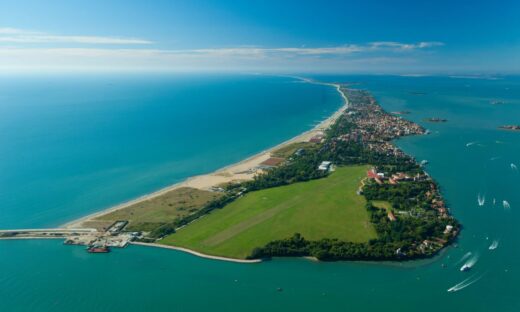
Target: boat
x=469, y=264
x=98, y=249
x=494, y=245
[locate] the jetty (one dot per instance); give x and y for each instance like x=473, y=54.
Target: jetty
x=91, y=238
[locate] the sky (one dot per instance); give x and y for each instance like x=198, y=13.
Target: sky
x=397, y=37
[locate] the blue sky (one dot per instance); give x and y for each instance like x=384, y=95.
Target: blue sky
x=403, y=37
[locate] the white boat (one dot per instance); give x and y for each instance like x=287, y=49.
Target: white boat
x=465, y=268
x=469, y=264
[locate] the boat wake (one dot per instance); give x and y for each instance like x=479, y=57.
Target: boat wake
x=514, y=168
x=506, y=205
x=469, y=264
x=481, y=199
x=465, y=283
x=470, y=143
x=494, y=244
x=466, y=256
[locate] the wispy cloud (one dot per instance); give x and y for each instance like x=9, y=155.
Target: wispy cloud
x=14, y=35
x=405, y=46
x=21, y=48
x=317, y=51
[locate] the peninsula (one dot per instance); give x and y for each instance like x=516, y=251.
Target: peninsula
x=341, y=191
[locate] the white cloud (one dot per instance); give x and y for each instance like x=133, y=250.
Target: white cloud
x=32, y=50
x=317, y=51
x=405, y=46
x=14, y=35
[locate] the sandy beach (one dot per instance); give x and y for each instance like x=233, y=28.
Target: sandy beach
x=240, y=171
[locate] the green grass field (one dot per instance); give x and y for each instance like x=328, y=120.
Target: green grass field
x=324, y=208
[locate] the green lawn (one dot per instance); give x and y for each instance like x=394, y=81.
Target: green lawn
x=383, y=204
x=324, y=208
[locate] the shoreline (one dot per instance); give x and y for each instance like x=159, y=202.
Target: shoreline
x=196, y=253
x=232, y=172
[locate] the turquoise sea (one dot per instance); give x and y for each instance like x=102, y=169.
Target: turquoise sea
x=72, y=145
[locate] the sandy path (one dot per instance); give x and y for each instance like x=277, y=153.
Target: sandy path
x=195, y=253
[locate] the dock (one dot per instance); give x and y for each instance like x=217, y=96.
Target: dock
x=94, y=240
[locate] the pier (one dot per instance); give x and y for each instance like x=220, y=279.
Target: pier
x=113, y=237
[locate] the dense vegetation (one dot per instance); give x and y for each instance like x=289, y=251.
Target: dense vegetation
x=396, y=240
x=402, y=196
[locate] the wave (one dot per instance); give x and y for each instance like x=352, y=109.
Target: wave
x=495, y=158
x=514, y=168
x=506, y=205
x=494, y=244
x=470, y=143
x=465, y=283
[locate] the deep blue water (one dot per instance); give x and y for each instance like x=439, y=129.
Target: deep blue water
x=70, y=146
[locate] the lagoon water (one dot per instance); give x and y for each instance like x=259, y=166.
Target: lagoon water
x=70, y=146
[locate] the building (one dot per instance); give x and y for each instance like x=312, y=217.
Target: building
x=318, y=138
x=325, y=165
x=372, y=173
x=271, y=162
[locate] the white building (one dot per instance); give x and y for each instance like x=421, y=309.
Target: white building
x=325, y=165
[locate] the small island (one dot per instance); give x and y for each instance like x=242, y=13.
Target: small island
x=510, y=127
